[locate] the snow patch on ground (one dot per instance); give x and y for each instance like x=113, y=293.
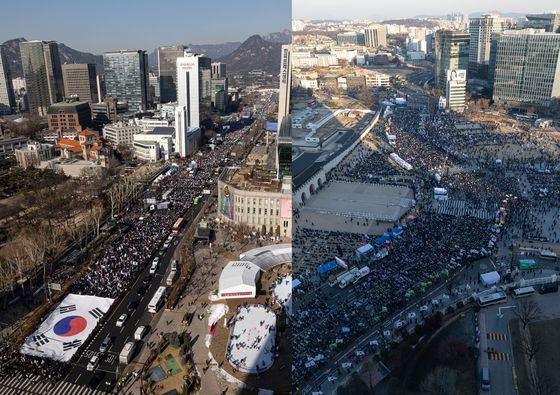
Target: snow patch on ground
x=215, y=312
x=283, y=292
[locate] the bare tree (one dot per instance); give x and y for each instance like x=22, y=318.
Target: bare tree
x=526, y=310
x=440, y=381
x=15, y=257
x=531, y=344
x=36, y=245
x=541, y=384
x=97, y=211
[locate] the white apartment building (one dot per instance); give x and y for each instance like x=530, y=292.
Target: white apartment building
x=377, y=80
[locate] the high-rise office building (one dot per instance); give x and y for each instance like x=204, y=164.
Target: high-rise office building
x=155, y=91
x=219, y=86
x=375, y=36
x=451, y=53
x=525, y=67
x=550, y=22
x=43, y=74
x=455, y=90
x=350, y=38
x=193, y=98
x=481, y=30
x=285, y=83
x=219, y=93
x=7, y=96
x=284, y=135
x=80, y=80
x=167, y=71
x=218, y=70
x=126, y=77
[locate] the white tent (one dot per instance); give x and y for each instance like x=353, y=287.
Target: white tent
x=239, y=280
x=490, y=278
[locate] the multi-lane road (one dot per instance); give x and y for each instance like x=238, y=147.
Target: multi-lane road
x=109, y=369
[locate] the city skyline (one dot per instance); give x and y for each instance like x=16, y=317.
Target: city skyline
x=354, y=9
x=126, y=27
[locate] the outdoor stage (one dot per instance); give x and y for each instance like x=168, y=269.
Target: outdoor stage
x=345, y=206
x=252, y=339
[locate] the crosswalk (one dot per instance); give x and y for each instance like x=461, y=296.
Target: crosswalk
x=496, y=336
x=20, y=384
x=498, y=356
x=460, y=208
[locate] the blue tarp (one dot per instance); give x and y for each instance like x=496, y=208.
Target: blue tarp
x=396, y=231
x=364, y=249
x=327, y=267
x=382, y=239
x=272, y=126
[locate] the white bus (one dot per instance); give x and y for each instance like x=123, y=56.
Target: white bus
x=547, y=254
x=493, y=298
x=521, y=292
x=157, y=300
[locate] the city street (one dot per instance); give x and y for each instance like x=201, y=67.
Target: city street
x=109, y=367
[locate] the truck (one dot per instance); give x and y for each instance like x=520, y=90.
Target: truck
x=347, y=277
x=127, y=353
x=364, y=271
x=171, y=277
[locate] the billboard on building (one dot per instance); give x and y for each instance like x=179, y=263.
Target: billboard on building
x=226, y=207
x=456, y=75
x=286, y=208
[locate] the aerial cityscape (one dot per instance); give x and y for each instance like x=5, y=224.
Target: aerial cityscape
x=426, y=198
x=289, y=197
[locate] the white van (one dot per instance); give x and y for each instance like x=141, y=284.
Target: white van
x=154, y=267
x=127, y=352
x=140, y=332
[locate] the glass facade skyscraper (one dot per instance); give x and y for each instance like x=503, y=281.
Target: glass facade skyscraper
x=167, y=68
x=525, y=67
x=7, y=97
x=126, y=77
x=43, y=74
x=451, y=53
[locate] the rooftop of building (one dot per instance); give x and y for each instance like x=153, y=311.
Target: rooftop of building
x=252, y=179
x=163, y=131
x=68, y=106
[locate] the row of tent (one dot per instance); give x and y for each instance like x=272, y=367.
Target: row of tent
x=368, y=248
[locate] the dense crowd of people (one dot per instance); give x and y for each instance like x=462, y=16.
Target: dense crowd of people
x=433, y=248
x=123, y=257
x=12, y=362
x=447, y=151
x=111, y=274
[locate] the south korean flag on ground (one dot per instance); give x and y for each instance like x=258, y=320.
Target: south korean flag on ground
x=67, y=327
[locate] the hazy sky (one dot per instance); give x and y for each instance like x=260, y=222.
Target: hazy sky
x=377, y=10
x=104, y=25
